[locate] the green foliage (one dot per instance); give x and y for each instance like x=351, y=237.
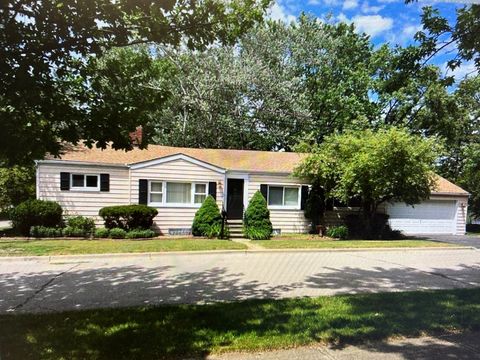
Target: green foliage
x=206, y=217
x=117, y=233
x=338, y=232
x=128, y=217
x=45, y=232
x=256, y=220
x=36, y=213
x=138, y=234
x=70, y=231
x=85, y=224
x=102, y=233
x=49, y=80
x=215, y=231
x=17, y=184
x=315, y=206
x=387, y=165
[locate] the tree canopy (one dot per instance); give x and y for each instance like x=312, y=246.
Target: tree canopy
x=389, y=165
x=44, y=52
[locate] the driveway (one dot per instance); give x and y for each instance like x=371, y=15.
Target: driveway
x=462, y=240
x=91, y=282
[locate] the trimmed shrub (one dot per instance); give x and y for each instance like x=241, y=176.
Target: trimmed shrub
x=207, y=216
x=45, y=232
x=87, y=225
x=138, y=234
x=128, y=217
x=338, y=232
x=74, y=232
x=117, y=233
x=102, y=233
x=256, y=221
x=36, y=213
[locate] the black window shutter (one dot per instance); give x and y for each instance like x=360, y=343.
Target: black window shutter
x=212, y=189
x=304, y=198
x=64, y=181
x=143, y=191
x=104, y=182
x=264, y=190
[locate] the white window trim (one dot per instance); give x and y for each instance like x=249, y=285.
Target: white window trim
x=84, y=187
x=285, y=207
x=164, y=203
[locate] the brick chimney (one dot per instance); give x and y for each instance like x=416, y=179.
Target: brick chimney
x=136, y=136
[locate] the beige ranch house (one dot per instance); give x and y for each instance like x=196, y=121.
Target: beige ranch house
x=177, y=180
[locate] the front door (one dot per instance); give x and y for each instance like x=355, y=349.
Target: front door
x=235, y=198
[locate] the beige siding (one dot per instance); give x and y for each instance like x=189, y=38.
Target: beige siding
x=288, y=221
x=85, y=203
x=176, y=170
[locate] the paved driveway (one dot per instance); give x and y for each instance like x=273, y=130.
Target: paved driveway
x=463, y=240
x=40, y=285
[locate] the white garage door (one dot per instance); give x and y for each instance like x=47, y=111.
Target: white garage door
x=428, y=217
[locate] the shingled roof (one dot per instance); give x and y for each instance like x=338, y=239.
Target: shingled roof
x=233, y=160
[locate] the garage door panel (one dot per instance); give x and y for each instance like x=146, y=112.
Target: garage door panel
x=429, y=217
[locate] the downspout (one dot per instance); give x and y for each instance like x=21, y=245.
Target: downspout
x=129, y=185
x=37, y=177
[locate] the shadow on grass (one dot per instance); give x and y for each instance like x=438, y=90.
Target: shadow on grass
x=178, y=330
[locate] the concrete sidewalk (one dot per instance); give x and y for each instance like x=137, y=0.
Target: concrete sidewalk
x=461, y=346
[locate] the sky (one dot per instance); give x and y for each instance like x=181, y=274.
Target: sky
x=390, y=21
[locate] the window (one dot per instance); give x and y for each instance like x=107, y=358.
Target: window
x=166, y=193
x=284, y=196
x=156, y=192
x=179, y=193
x=200, y=193
x=85, y=182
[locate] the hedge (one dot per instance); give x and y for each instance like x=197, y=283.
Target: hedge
x=36, y=213
x=128, y=217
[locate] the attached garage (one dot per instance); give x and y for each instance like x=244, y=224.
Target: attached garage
x=444, y=213
x=428, y=217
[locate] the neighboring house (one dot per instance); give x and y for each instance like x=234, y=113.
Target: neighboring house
x=177, y=180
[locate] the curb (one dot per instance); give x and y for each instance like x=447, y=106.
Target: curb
x=106, y=256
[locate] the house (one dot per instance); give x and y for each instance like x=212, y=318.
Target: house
x=176, y=181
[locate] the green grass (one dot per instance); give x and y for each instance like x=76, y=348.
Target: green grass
x=315, y=242
x=182, y=330
x=72, y=247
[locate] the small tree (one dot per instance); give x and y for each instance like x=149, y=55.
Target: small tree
x=387, y=165
x=17, y=184
x=315, y=206
x=206, y=217
x=256, y=221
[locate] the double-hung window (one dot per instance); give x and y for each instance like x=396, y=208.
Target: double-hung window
x=169, y=193
x=88, y=182
x=284, y=196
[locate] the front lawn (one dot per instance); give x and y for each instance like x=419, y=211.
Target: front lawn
x=197, y=330
x=73, y=247
x=302, y=241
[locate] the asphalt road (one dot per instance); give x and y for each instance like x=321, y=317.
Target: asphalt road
x=88, y=282
x=461, y=240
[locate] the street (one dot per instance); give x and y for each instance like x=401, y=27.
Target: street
x=86, y=282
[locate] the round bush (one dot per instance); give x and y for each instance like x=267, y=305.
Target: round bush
x=102, y=233
x=118, y=233
x=36, y=213
x=128, y=217
x=207, y=216
x=256, y=221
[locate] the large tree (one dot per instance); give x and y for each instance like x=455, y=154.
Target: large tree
x=389, y=165
x=44, y=46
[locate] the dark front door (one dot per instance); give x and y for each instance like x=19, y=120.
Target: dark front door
x=234, y=198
